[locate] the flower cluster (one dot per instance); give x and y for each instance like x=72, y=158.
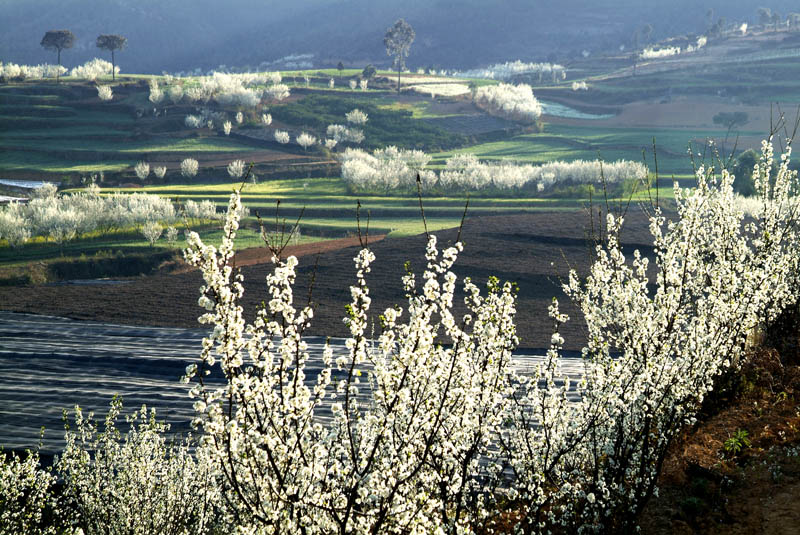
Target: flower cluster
x=245, y=90
x=343, y=134
x=653, y=353
x=104, y=92
x=93, y=69
x=408, y=413
x=667, y=51
x=514, y=102
x=306, y=140
x=410, y=419
x=189, y=167
x=444, y=90
x=236, y=168
x=356, y=117
x=384, y=170
x=139, y=483
x=25, y=493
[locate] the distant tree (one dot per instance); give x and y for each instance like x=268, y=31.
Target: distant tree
x=369, y=72
x=112, y=42
x=340, y=66
x=764, y=16
x=58, y=40
x=776, y=19
x=716, y=29
x=731, y=120
x=306, y=140
x=793, y=19
x=709, y=18
x=635, y=38
x=398, y=41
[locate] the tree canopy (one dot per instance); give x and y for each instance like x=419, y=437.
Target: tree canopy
x=58, y=40
x=112, y=42
x=398, y=41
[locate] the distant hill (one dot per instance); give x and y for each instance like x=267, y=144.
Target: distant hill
x=179, y=35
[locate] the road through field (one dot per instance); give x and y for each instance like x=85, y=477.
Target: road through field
x=48, y=364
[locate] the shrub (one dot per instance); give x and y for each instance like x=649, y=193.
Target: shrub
x=189, y=167
x=104, y=92
x=137, y=483
x=25, y=494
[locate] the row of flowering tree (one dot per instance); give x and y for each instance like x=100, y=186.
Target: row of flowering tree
x=448, y=436
x=392, y=170
x=63, y=218
x=91, y=70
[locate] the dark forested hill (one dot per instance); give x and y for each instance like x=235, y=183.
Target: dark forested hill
x=185, y=34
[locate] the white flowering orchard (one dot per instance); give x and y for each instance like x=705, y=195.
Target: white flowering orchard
x=61, y=219
x=587, y=464
x=424, y=437
x=393, y=169
x=245, y=90
x=514, y=102
x=516, y=69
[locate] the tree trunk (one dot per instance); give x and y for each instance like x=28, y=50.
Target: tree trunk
x=398, y=80
x=113, y=65
x=58, y=71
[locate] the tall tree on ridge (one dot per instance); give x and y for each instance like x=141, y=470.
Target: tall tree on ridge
x=58, y=40
x=112, y=42
x=398, y=41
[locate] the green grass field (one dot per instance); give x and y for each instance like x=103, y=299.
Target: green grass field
x=559, y=142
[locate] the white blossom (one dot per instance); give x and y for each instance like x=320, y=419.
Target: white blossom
x=236, y=168
x=306, y=140
x=515, y=102
x=282, y=137
x=189, y=167
x=142, y=170
x=104, y=92
x=356, y=117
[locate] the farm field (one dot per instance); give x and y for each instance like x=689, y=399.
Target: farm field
x=66, y=134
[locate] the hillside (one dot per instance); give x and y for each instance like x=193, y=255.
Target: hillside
x=167, y=36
